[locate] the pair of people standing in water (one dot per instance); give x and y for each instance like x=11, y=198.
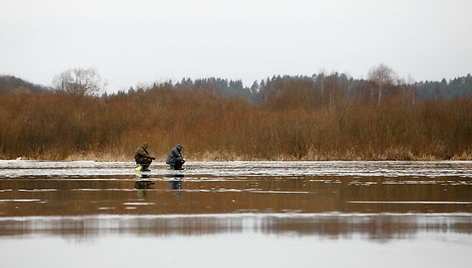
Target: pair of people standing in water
x=175, y=159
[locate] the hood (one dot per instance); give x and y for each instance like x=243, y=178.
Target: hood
x=179, y=147
x=145, y=145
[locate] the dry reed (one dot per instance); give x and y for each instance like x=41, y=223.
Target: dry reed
x=285, y=127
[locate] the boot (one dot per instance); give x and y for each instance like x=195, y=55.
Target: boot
x=145, y=168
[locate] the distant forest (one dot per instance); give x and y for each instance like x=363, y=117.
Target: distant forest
x=11, y=84
x=319, y=117
x=264, y=89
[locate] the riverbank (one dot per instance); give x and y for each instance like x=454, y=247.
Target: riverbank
x=390, y=155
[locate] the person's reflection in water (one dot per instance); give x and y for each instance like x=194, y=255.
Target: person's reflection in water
x=175, y=183
x=142, y=184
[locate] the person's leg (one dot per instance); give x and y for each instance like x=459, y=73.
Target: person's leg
x=178, y=165
x=146, y=164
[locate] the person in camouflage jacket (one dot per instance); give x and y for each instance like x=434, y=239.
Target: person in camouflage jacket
x=142, y=157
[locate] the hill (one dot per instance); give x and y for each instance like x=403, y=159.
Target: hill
x=9, y=84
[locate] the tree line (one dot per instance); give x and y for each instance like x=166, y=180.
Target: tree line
x=319, y=117
x=381, y=81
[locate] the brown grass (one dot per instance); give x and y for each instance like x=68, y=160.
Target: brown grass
x=211, y=127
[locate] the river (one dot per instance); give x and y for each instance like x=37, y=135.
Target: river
x=234, y=214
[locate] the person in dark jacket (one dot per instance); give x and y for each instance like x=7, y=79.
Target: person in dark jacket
x=143, y=158
x=175, y=159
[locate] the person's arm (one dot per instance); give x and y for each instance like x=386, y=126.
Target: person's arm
x=143, y=153
x=148, y=155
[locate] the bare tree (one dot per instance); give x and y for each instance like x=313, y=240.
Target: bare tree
x=382, y=76
x=79, y=81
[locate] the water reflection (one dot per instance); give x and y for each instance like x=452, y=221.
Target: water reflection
x=280, y=197
x=175, y=182
x=332, y=226
x=334, y=213
x=142, y=184
x=42, y=196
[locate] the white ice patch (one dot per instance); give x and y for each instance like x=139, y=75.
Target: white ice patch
x=240, y=169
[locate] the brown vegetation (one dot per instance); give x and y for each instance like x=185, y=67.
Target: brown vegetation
x=293, y=121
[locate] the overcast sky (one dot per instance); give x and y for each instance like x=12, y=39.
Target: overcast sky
x=143, y=41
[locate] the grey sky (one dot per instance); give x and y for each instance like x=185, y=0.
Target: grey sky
x=142, y=41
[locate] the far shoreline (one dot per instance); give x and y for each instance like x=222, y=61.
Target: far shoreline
x=224, y=157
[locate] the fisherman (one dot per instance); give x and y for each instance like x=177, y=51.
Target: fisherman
x=175, y=159
x=143, y=158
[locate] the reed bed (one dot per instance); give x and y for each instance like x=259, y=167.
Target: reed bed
x=58, y=126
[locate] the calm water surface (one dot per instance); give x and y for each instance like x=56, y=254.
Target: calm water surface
x=269, y=214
